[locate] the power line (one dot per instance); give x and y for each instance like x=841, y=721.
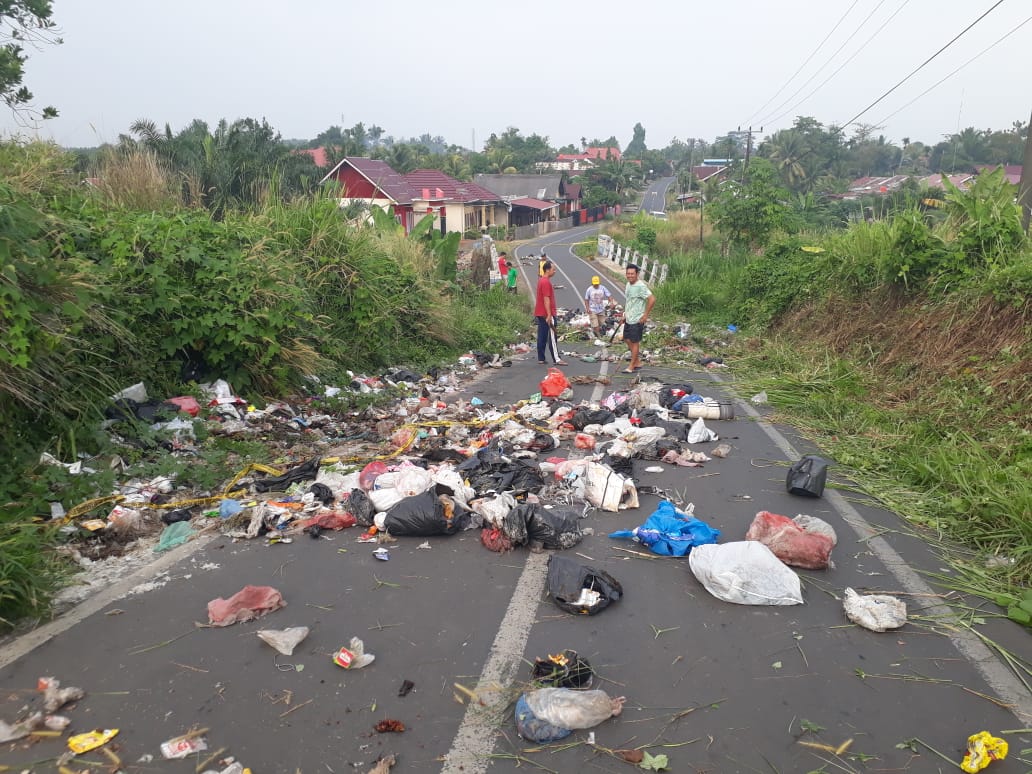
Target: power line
x=855, y=54
x=806, y=62
x=925, y=62
x=827, y=62
x=950, y=75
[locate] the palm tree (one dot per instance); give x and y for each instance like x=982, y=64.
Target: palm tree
x=787, y=150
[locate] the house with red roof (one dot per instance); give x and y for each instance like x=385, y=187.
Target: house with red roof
x=575, y=162
x=455, y=205
x=318, y=156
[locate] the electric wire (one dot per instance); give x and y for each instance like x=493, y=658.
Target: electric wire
x=804, y=64
x=950, y=75
x=921, y=66
x=827, y=62
x=855, y=54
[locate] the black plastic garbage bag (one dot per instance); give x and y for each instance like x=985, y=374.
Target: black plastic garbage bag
x=579, y=589
x=322, y=493
x=553, y=529
x=490, y=470
x=425, y=515
x=620, y=464
x=563, y=670
x=586, y=417
x=361, y=507
x=807, y=476
x=306, y=471
x=649, y=417
x=542, y=441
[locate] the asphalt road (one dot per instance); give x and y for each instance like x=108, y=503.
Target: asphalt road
x=730, y=688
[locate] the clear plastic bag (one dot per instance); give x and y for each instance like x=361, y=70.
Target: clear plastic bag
x=745, y=573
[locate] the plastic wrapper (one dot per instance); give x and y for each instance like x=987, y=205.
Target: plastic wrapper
x=283, y=640
x=91, y=740
x=249, y=603
x=877, y=612
x=790, y=542
x=982, y=749
x=54, y=696
x=174, y=535
x=745, y=573
x=549, y=714
x=353, y=656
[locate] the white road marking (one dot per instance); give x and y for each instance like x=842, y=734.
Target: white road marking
x=476, y=737
x=1011, y=691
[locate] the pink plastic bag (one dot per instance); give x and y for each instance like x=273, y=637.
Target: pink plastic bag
x=789, y=542
x=247, y=604
x=367, y=478
x=584, y=441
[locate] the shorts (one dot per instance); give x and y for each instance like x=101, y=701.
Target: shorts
x=597, y=319
x=633, y=331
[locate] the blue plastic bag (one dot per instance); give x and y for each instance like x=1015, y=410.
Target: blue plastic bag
x=670, y=532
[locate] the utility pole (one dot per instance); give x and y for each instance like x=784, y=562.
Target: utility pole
x=1025, y=186
x=748, y=150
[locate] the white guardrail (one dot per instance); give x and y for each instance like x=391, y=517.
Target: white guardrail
x=653, y=272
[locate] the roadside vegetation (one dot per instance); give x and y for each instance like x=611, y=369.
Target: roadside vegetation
x=900, y=345
x=131, y=280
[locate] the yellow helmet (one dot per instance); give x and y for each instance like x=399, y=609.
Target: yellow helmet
x=595, y=280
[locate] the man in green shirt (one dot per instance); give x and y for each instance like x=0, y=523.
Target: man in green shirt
x=637, y=305
x=510, y=277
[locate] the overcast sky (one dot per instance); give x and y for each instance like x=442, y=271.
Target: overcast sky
x=560, y=69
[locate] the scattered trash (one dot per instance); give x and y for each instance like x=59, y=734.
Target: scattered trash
x=745, y=573
x=182, y=746
x=670, y=532
x=425, y=544
x=759, y=398
x=54, y=696
x=807, y=476
x=176, y=515
x=406, y=688
x=579, y=589
x=877, y=612
x=249, y=603
x=722, y=451
x=563, y=670
x=353, y=656
x=791, y=543
x=699, y=433
x=389, y=726
x=382, y=554
x=550, y=714
x=283, y=640
x=91, y=740
x=983, y=749
x=174, y=535
x=554, y=383
x=654, y=469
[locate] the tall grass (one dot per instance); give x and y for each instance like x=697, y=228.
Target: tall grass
x=955, y=470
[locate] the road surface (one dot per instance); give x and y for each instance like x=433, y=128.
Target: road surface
x=728, y=688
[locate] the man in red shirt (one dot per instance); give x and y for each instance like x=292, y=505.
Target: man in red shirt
x=503, y=258
x=544, y=311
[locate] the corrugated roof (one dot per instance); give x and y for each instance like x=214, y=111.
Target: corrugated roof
x=517, y=186
x=452, y=189
x=535, y=204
